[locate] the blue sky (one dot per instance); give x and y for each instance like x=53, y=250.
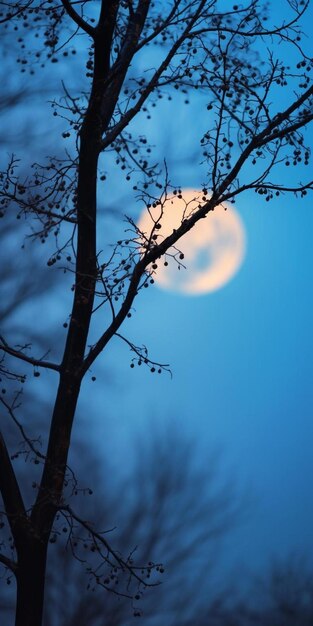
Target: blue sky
x=241, y=362
x=241, y=359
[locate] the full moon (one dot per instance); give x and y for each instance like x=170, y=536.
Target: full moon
x=213, y=249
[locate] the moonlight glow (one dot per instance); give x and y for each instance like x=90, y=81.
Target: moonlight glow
x=213, y=249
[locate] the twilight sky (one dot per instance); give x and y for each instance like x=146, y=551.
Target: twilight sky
x=241, y=358
x=242, y=373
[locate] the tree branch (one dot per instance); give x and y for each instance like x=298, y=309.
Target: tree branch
x=264, y=32
x=124, y=565
x=113, y=78
x=159, y=29
x=264, y=137
x=9, y=488
x=282, y=132
x=129, y=115
x=19, y=11
x=28, y=359
x=17, y=423
x=12, y=565
x=77, y=18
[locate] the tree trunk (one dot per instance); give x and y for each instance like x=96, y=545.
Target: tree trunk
x=30, y=581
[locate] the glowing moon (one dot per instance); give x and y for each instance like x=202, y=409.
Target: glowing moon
x=213, y=249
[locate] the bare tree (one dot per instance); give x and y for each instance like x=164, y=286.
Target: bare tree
x=228, y=56
x=179, y=512
x=189, y=509
x=287, y=592
x=280, y=596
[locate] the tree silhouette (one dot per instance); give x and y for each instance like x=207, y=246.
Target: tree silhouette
x=186, y=514
x=281, y=596
x=136, y=54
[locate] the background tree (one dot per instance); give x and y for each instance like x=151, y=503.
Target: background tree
x=197, y=47
x=186, y=514
x=282, y=596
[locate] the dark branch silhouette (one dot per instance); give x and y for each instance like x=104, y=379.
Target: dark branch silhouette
x=228, y=57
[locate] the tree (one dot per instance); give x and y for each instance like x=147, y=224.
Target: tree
x=178, y=496
x=282, y=596
x=229, y=57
